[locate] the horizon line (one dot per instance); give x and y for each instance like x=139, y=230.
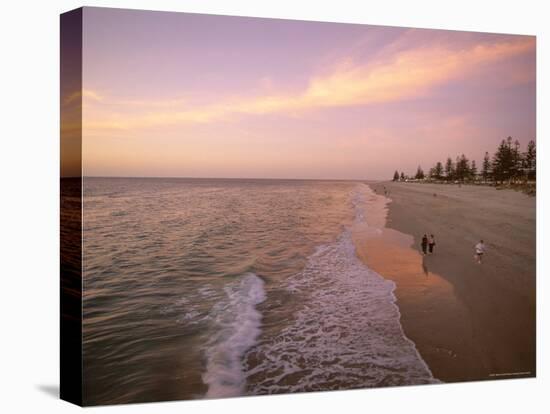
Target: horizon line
x=229, y=178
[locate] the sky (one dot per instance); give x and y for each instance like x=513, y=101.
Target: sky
x=190, y=95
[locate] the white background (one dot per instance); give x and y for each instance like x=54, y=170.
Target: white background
x=29, y=245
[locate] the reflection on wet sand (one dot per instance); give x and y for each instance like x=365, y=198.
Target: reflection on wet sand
x=427, y=304
x=425, y=267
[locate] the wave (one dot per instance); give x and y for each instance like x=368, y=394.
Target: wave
x=347, y=333
x=237, y=324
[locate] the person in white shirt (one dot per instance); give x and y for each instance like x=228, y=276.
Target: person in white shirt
x=480, y=249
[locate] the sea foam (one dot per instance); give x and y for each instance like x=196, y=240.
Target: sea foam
x=238, y=327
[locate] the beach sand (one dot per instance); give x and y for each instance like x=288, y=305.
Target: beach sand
x=468, y=321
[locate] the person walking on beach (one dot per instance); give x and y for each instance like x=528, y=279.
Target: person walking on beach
x=424, y=244
x=480, y=249
x=431, y=243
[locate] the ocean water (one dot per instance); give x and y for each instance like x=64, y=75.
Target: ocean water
x=204, y=288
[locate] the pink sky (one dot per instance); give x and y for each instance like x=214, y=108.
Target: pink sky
x=188, y=95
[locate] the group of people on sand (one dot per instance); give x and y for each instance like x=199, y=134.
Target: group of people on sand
x=386, y=191
x=428, y=245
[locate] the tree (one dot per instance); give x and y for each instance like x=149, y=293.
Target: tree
x=449, y=169
x=473, y=170
x=503, y=161
x=395, y=176
x=402, y=177
x=462, y=168
x=486, y=167
x=419, y=173
x=530, y=161
x=516, y=161
x=437, y=171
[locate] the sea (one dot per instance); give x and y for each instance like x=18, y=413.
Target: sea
x=209, y=288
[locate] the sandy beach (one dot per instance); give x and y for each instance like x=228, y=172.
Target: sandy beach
x=468, y=321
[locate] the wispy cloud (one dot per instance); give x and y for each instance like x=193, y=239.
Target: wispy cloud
x=86, y=95
x=406, y=73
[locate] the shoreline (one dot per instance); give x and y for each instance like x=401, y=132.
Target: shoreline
x=468, y=321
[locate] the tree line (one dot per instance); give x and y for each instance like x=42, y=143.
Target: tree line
x=508, y=164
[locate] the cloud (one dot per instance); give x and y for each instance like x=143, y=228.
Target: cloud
x=405, y=73
x=86, y=95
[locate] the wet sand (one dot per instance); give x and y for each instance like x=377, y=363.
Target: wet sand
x=468, y=321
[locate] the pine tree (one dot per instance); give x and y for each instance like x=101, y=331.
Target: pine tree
x=530, y=161
x=395, y=176
x=516, y=161
x=402, y=177
x=438, y=169
x=462, y=168
x=419, y=173
x=486, y=167
x=449, y=169
x=473, y=170
x=502, y=161
x=499, y=159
